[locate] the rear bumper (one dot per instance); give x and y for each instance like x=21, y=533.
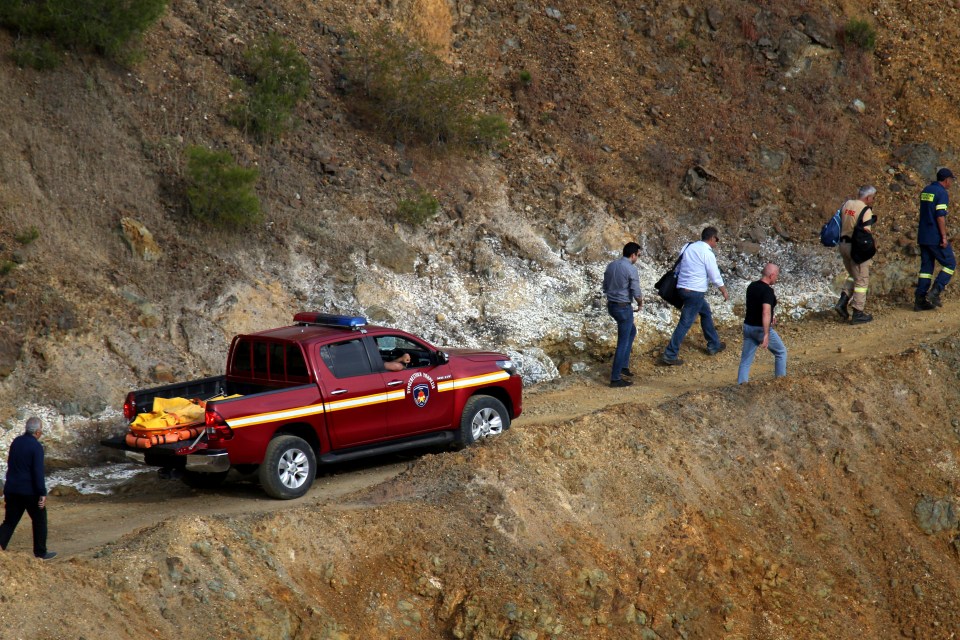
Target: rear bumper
x=208, y=462
x=165, y=455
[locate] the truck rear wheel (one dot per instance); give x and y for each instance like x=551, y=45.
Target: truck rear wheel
x=483, y=416
x=288, y=468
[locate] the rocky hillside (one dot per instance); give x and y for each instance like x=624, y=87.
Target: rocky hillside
x=627, y=121
x=820, y=506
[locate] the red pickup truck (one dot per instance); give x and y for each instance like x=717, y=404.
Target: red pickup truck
x=329, y=389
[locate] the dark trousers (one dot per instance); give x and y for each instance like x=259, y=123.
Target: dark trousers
x=948, y=263
x=16, y=504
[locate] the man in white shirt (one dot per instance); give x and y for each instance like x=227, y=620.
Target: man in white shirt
x=697, y=270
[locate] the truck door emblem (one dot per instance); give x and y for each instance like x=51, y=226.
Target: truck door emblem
x=421, y=394
x=419, y=386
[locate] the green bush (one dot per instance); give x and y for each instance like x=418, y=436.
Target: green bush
x=420, y=207
x=107, y=27
x=860, y=33
x=279, y=77
x=489, y=130
x=407, y=92
x=6, y=266
x=27, y=236
x=36, y=53
x=526, y=78
x=220, y=191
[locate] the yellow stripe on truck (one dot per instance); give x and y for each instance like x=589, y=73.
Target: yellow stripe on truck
x=474, y=381
x=362, y=401
x=286, y=414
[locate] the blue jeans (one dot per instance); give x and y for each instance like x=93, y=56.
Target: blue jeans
x=626, y=332
x=694, y=304
x=943, y=255
x=752, y=339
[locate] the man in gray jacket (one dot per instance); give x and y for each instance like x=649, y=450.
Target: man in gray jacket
x=621, y=285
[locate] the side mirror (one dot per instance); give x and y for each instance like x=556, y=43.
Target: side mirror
x=440, y=357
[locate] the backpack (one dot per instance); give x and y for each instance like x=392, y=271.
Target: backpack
x=864, y=246
x=830, y=233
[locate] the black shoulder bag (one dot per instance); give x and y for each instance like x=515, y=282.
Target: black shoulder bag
x=666, y=286
x=863, y=247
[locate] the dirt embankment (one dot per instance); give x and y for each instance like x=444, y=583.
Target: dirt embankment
x=822, y=505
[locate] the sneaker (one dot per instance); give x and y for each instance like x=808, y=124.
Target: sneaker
x=620, y=383
x=713, y=352
x=626, y=372
x=859, y=317
x=922, y=304
x=49, y=555
x=671, y=363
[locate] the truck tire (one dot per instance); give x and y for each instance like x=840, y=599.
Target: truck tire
x=198, y=480
x=288, y=468
x=483, y=416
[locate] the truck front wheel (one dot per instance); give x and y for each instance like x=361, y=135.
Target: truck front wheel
x=288, y=468
x=483, y=416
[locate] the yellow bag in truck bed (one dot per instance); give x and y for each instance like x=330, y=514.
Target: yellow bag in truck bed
x=172, y=420
x=168, y=413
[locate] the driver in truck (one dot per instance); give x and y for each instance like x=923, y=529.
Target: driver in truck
x=398, y=364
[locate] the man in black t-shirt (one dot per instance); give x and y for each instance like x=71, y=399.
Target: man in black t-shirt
x=758, y=325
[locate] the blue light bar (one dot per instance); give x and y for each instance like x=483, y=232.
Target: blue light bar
x=329, y=320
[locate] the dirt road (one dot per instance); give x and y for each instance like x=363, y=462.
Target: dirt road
x=812, y=344
x=81, y=524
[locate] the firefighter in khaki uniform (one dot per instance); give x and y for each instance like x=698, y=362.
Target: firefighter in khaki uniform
x=854, y=291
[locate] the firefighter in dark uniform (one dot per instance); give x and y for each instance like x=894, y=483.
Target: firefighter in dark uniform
x=934, y=243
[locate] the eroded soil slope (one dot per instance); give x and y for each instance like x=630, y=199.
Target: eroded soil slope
x=794, y=508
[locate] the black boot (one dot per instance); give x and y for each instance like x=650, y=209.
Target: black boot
x=933, y=298
x=841, y=306
x=920, y=303
x=860, y=317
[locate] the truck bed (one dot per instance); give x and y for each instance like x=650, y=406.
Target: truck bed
x=203, y=389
